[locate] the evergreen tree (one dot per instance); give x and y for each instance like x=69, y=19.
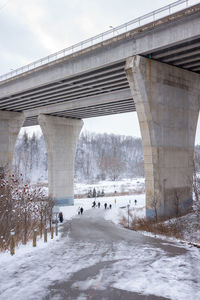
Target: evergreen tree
x=94, y=193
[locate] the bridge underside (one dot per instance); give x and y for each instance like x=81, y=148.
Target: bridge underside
x=105, y=81
x=118, y=107
x=110, y=80
x=184, y=55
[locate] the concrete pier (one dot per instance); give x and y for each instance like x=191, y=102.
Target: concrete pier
x=61, y=136
x=167, y=104
x=10, y=125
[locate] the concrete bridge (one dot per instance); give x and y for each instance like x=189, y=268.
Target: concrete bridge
x=150, y=65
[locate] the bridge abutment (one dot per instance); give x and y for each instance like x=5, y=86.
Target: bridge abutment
x=10, y=125
x=167, y=104
x=61, y=136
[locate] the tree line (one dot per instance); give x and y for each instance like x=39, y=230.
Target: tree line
x=98, y=157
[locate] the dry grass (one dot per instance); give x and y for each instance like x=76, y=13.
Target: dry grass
x=164, y=226
x=123, y=221
x=171, y=228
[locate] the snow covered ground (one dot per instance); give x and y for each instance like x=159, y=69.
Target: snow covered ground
x=118, y=210
x=130, y=187
x=133, y=185
x=95, y=257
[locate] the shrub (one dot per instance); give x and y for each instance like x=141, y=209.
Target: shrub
x=22, y=209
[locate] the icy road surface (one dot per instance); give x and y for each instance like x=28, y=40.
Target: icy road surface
x=97, y=259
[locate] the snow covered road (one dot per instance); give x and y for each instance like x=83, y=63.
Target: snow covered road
x=97, y=259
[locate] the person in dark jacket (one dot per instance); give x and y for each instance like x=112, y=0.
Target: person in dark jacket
x=99, y=204
x=81, y=210
x=60, y=217
x=105, y=205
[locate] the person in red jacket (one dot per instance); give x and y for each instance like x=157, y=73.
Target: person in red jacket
x=60, y=217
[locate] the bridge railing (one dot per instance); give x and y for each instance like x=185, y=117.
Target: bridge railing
x=114, y=31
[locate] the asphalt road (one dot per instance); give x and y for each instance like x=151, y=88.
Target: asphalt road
x=111, y=252
x=95, y=259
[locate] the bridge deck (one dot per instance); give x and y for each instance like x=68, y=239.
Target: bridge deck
x=92, y=82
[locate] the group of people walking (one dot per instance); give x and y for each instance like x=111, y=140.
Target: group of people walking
x=99, y=205
x=80, y=210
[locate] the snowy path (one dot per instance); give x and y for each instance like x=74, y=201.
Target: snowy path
x=96, y=259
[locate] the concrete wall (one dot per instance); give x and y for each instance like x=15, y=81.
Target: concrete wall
x=61, y=136
x=10, y=125
x=167, y=103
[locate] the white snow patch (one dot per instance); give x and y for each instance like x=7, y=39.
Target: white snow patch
x=125, y=185
x=114, y=214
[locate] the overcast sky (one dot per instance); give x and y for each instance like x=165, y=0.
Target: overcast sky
x=32, y=29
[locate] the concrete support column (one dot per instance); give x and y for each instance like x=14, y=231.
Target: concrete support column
x=167, y=104
x=10, y=125
x=61, y=136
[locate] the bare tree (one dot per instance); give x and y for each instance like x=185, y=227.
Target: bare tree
x=98, y=156
x=177, y=202
x=20, y=207
x=112, y=166
x=154, y=202
x=196, y=189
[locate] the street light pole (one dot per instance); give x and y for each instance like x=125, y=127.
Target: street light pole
x=128, y=206
x=114, y=29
